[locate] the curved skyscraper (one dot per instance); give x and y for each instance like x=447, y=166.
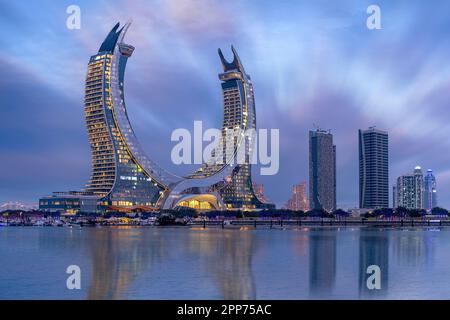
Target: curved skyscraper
x=373, y=168
x=123, y=176
x=228, y=178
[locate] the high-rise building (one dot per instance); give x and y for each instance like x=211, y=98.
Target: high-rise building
x=122, y=174
x=394, y=196
x=124, y=177
x=299, y=199
x=322, y=170
x=409, y=190
x=229, y=181
x=373, y=169
x=239, y=111
x=429, y=191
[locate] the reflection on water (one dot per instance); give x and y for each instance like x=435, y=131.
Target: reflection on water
x=118, y=256
x=322, y=262
x=373, y=250
x=414, y=247
x=227, y=257
x=189, y=263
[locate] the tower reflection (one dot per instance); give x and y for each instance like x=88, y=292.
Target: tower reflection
x=227, y=257
x=322, y=262
x=119, y=256
x=414, y=247
x=373, y=250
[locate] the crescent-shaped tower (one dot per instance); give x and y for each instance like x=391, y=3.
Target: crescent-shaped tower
x=122, y=174
x=124, y=177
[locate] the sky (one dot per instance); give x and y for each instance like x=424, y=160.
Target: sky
x=312, y=63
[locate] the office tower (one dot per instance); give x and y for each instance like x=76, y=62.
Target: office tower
x=373, y=169
x=429, y=191
x=299, y=199
x=322, y=170
x=409, y=190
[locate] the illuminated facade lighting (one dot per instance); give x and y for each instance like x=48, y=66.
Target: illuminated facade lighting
x=122, y=175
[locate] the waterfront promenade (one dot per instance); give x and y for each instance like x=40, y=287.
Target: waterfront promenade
x=218, y=222
x=320, y=222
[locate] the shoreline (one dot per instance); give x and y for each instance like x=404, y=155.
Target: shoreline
x=254, y=224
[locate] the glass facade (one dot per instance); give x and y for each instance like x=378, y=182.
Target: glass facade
x=373, y=169
x=429, y=192
x=228, y=177
x=322, y=170
x=69, y=202
x=124, y=176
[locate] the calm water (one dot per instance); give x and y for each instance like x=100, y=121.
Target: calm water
x=183, y=263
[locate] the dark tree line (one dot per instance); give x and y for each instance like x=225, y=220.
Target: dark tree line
x=399, y=212
x=402, y=212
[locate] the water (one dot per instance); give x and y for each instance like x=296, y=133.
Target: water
x=184, y=263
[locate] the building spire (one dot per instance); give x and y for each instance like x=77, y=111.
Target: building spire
x=110, y=41
x=234, y=65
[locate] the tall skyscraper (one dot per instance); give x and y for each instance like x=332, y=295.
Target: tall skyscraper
x=429, y=191
x=230, y=181
x=373, y=169
x=239, y=111
x=409, y=190
x=322, y=170
x=124, y=177
x=299, y=199
x=122, y=174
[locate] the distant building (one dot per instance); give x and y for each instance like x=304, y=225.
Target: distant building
x=394, y=196
x=258, y=189
x=358, y=212
x=70, y=202
x=299, y=199
x=17, y=206
x=409, y=190
x=373, y=169
x=429, y=191
x=322, y=170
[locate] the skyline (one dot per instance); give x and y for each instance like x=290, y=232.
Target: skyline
x=345, y=77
